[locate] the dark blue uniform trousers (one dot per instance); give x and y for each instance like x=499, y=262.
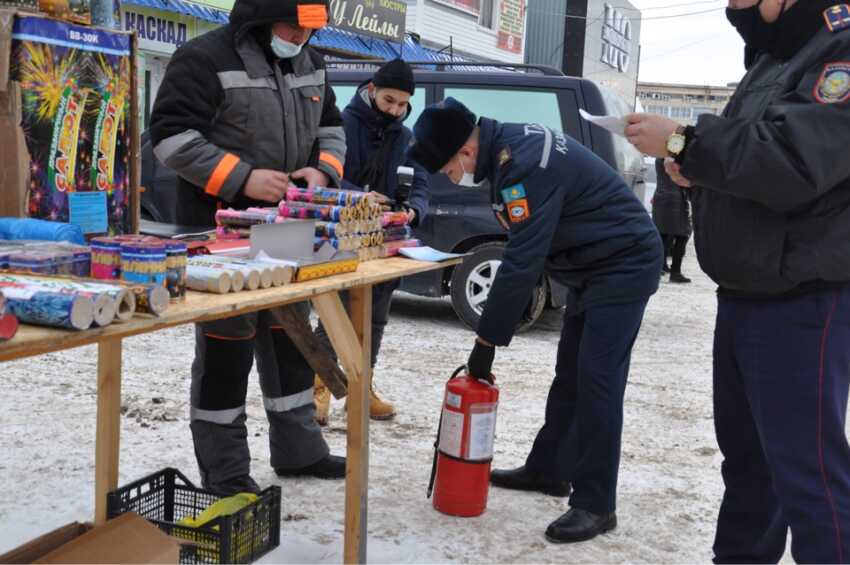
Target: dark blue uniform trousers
x=580, y=440
x=781, y=374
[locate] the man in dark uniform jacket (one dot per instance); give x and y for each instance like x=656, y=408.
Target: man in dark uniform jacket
x=567, y=212
x=771, y=198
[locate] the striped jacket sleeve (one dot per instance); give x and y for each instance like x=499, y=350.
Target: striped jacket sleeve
x=182, y=117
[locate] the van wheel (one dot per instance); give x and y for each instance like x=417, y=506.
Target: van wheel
x=471, y=282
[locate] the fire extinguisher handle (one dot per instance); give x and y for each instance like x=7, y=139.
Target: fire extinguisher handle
x=458, y=371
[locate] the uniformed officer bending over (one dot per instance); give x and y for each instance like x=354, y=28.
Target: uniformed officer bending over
x=569, y=213
x=771, y=198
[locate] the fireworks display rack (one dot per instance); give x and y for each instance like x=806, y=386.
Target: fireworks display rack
x=67, y=122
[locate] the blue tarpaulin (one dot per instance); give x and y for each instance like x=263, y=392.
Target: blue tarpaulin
x=185, y=8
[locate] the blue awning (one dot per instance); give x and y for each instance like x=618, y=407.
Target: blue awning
x=185, y=8
x=351, y=43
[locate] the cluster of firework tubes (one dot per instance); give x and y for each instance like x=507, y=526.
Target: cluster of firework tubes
x=346, y=219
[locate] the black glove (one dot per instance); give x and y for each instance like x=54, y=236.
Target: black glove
x=481, y=361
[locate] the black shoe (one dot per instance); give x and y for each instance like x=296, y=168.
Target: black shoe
x=522, y=479
x=233, y=486
x=580, y=525
x=331, y=467
x=679, y=278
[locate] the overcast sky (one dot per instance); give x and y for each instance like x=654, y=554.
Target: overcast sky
x=693, y=49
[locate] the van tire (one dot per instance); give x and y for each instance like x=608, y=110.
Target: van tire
x=471, y=281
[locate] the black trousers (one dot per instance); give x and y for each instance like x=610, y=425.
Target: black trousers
x=675, y=247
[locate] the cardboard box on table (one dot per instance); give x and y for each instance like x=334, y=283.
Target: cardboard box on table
x=22, y=172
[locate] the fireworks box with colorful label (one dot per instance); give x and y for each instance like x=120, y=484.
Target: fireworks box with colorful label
x=76, y=100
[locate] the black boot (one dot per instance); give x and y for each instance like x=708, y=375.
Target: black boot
x=229, y=487
x=580, y=525
x=679, y=278
x=522, y=479
x=331, y=467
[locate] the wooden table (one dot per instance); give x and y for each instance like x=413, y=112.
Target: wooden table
x=350, y=337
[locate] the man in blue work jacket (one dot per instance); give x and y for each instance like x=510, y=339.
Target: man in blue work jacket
x=568, y=213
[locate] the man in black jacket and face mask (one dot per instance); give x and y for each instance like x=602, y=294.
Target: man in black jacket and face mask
x=770, y=181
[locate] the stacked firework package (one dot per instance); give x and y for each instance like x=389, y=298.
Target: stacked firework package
x=346, y=220
x=70, y=150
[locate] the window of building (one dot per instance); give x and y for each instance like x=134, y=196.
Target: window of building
x=486, y=18
x=344, y=94
x=515, y=106
x=697, y=112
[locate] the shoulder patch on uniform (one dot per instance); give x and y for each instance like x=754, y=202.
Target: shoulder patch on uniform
x=504, y=156
x=838, y=17
x=518, y=211
x=834, y=83
x=512, y=193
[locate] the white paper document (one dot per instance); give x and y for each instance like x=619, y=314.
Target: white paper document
x=610, y=123
x=428, y=254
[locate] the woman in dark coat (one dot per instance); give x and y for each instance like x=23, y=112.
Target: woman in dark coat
x=671, y=212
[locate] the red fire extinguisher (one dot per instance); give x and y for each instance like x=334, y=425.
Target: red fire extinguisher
x=460, y=474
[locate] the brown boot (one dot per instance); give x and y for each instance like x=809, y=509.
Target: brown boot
x=379, y=409
x=322, y=398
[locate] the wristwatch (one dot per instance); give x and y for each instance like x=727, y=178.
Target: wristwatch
x=676, y=142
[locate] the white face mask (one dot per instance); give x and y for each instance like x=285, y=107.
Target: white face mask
x=468, y=179
x=284, y=49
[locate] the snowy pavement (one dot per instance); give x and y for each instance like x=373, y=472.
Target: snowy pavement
x=669, y=487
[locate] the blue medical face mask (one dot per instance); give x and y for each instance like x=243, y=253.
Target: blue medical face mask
x=284, y=49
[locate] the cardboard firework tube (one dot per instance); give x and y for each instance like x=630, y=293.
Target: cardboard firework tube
x=283, y=275
x=8, y=322
x=204, y=279
x=8, y=326
x=241, y=218
x=32, y=305
x=150, y=299
x=246, y=266
x=123, y=301
x=327, y=196
x=250, y=275
x=331, y=229
x=393, y=219
x=300, y=210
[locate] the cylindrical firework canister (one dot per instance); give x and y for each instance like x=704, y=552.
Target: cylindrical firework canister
x=205, y=279
x=391, y=248
x=230, y=217
x=81, y=266
x=143, y=263
x=123, y=301
x=396, y=233
x=105, y=258
x=32, y=305
x=8, y=326
x=328, y=196
x=250, y=276
x=175, y=264
x=330, y=229
x=150, y=299
x=394, y=219
x=289, y=209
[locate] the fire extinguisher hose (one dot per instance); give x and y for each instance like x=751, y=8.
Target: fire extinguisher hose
x=437, y=445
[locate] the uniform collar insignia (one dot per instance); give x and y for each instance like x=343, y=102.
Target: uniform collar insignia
x=838, y=17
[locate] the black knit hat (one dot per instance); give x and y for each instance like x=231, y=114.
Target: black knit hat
x=440, y=132
x=396, y=74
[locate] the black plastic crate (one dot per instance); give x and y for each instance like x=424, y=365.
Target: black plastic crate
x=168, y=496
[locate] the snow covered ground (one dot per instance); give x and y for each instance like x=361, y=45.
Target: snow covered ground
x=669, y=487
